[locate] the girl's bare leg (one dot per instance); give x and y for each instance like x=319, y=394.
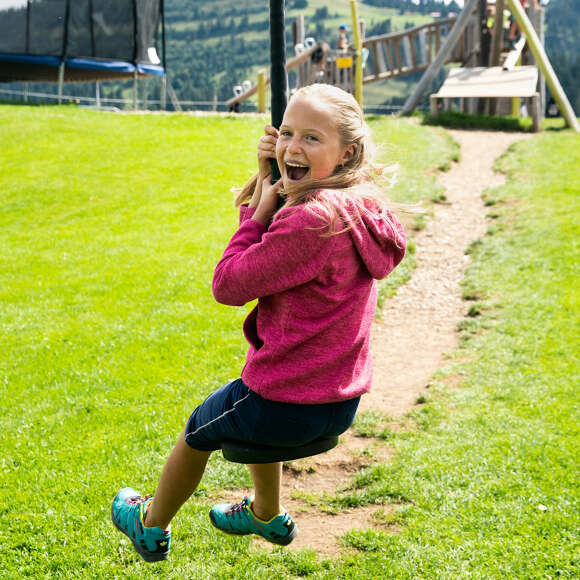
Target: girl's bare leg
x=267, y=478
x=181, y=476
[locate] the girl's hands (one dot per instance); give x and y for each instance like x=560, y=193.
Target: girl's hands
x=267, y=151
x=268, y=200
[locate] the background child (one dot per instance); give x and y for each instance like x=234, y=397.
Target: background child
x=342, y=40
x=313, y=267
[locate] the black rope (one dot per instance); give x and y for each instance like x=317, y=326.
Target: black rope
x=278, y=77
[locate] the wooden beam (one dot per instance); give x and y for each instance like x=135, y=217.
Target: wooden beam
x=497, y=36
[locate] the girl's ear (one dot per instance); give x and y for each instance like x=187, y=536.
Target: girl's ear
x=347, y=154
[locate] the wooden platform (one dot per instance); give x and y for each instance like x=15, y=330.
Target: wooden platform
x=491, y=82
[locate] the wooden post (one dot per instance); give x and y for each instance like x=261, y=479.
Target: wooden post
x=298, y=29
x=536, y=14
x=423, y=47
x=433, y=101
x=497, y=36
x=413, y=53
x=496, y=44
x=516, y=101
x=377, y=68
x=398, y=60
x=535, y=112
x=262, y=91
x=484, y=34
x=544, y=64
x=358, y=72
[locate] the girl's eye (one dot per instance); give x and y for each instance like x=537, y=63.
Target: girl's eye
x=284, y=133
x=311, y=138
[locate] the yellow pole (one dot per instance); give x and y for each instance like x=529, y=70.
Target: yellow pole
x=544, y=64
x=262, y=91
x=358, y=72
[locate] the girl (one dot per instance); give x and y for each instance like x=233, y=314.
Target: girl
x=313, y=266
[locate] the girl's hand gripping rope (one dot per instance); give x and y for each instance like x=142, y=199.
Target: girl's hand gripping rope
x=265, y=196
x=267, y=151
x=268, y=203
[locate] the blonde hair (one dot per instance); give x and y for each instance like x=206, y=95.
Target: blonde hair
x=359, y=183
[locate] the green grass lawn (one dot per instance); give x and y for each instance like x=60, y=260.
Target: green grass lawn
x=488, y=480
x=110, y=226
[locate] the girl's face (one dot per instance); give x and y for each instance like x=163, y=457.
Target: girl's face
x=309, y=146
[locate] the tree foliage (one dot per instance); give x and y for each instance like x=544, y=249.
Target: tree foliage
x=563, y=46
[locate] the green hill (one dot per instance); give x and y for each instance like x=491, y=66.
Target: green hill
x=212, y=46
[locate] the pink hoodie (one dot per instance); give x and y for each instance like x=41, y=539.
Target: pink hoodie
x=309, y=334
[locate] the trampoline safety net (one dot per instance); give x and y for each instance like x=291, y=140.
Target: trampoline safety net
x=95, y=38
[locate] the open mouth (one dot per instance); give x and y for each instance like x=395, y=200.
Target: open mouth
x=296, y=171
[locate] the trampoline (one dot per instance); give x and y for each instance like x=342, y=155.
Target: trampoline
x=80, y=40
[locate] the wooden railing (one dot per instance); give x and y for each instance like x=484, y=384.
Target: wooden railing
x=303, y=61
x=408, y=51
x=387, y=56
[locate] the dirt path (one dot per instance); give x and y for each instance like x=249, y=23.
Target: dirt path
x=419, y=325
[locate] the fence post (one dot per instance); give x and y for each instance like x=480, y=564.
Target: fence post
x=60, y=80
x=262, y=91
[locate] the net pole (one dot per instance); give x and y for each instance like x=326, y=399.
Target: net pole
x=163, y=98
x=278, y=77
x=64, y=50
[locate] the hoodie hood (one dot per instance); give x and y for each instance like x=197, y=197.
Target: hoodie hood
x=377, y=235
x=379, y=239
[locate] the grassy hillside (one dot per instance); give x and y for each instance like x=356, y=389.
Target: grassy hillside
x=213, y=46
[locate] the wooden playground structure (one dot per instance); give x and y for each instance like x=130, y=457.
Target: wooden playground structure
x=495, y=47
x=382, y=57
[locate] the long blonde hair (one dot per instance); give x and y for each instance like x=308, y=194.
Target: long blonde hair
x=358, y=183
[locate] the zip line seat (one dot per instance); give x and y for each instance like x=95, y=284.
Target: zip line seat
x=241, y=452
